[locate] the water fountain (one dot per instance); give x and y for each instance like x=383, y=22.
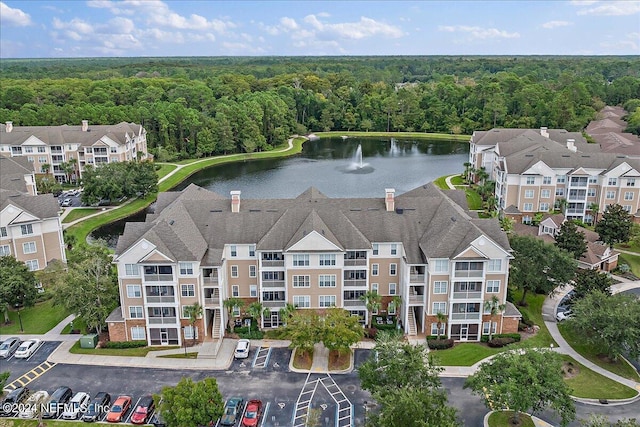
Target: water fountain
x=357, y=165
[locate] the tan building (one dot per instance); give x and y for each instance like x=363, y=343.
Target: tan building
x=87, y=144
x=313, y=252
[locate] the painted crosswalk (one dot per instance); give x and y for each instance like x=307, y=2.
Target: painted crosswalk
x=344, y=408
x=261, y=359
x=30, y=376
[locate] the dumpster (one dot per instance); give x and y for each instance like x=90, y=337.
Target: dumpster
x=89, y=341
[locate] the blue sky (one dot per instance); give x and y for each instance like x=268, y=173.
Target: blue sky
x=49, y=29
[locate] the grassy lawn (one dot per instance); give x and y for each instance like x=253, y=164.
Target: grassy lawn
x=416, y=135
x=131, y=352
x=591, y=385
x=165, y=169
x=38, y=319
x=457, y=180
x=501, y=419
x=78, y=324
x=473, y=199
x=591, y=352
x=533, y=311
x=464, y=354
x=191, y=355
x=78, y=213
x=632, y=260
x=441, y=182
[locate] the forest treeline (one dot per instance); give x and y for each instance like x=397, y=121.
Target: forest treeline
x=194, y=107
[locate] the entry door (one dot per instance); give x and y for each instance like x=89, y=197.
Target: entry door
x=274, y=319
x=464, y=332
x=164, y=337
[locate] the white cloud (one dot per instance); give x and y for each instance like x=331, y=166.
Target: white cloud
x=620, y=45
x=583, y=2
x=364, y=28
x=556, y=24
x=11, y=16
x=611, y=8
x=289, y=23
x=479, y=32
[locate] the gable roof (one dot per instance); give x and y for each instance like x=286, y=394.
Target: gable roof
x=41, y=206
x=12, y=172
x=65, y=134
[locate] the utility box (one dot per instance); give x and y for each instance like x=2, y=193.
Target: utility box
x=89, y=341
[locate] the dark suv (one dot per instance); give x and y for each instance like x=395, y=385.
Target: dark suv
x=9, y=403
x=98, y=406
x=56, y=402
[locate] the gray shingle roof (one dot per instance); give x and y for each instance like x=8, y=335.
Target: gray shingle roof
x=65, y=134
x=12, y=172
x=41, y=206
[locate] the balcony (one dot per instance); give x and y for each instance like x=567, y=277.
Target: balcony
x=413, y=299
x=273, y=263
x=416, y=278
x=467, y=295
x=465, y=316
x=274, y=304
x=354, y=282
x=354, y=303
x=354, y=262
x=161, y=298
x=575, y=211
x=210, y=280
x=273, y=283
x=468, y=273
x=162, y=320
x=158, y=277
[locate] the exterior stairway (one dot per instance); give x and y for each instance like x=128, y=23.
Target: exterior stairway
x=216, y=325
x=412, y=323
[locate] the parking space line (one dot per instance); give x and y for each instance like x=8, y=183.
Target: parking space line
x=264, y=416
x=131, y=411
x=26, y=378
x=261, y=358
x=36, y=350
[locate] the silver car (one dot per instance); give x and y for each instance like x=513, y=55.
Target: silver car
x=8, y=346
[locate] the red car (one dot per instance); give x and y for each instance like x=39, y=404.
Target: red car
x=119, y=409
x=143, y=411
x=252, y=413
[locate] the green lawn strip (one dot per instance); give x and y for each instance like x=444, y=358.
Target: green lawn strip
x=165, y=169
x=533, y=311
x=78, y=324
x=473, y=199
x=501, y=419
x=415, y=135
x=632, y=260
x=457, y=180
x=79, y=213
x=190, y=355
x=441, y=182
x=464, y=354
x=588, y=384
x=590, y=352
x=131, y=352
x=38, y=319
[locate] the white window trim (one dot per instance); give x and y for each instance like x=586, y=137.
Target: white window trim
x=440, y=283
x=332, y=301
x=138, y=333
x=235, y=291
x=433, y=307
x=133, y=309
x=235, y=272
x=253, y=291
x=29, y=248
x=393, y=286
x=393, y=269
x=253, y=271
x=375, y=269
x=187, y=287
x=305, y=299
x=131, y=291
x=306, y=281
x=491, y=291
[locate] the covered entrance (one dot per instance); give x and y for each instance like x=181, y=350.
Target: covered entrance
x=465, y=332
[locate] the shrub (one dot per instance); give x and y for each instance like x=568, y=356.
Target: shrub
x=254, y=334
x=124, y=344
x=277, y=334
x=500, y=342
x=385, y=327
x=440, y=344
x=515, y=337
x=371, y=332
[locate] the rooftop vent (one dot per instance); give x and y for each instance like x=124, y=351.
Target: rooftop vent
x=254, y=210
x=399, y=211
x=453, y=218
x=528, y=155
x=171, y=222
x=355, y=210
x=215, y=210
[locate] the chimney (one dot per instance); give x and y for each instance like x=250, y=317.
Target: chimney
x=389, y=199
x=235, y=201
x=9, y=126
x=85, y=125
x=571, y=145
x=543, y=132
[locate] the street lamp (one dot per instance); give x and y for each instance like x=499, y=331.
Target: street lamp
x=366, y=408
x=19, y=317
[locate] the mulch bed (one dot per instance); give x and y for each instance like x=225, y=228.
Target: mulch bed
x=302, y=360
x=339, y=362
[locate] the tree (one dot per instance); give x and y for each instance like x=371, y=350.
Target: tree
x=494, y=308
x=442, y=319
x=191, y=403
x=255, y=310
x=594, y=208
x=414, y=407
x=304, y=330
x=610, y=323
x=538, y=266
x=615, y=225
x=530, y=380
x=193, y=312
x=3, y=379
x=17, y=285
x=286, y=312
x=589, y=280
x=571, y=239
x=341, y=330
x=372, y=301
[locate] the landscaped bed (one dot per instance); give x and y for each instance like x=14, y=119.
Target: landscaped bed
x=302, y=360
x=131, y=352
x=339, y=362
x=38, y=319
x=503, y=418
x=591, y=385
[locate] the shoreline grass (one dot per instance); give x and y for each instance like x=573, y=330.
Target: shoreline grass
x=418, y=135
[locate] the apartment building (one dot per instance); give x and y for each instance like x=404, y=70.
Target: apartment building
x=81, y=145
x=313, y=252
x=536, y=171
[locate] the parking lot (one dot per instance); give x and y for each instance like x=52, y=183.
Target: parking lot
x=72, y=197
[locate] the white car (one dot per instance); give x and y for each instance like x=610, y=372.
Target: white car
x=32, y=404
x=74, y=408
x=27, y=348
x=564, y=315
x=242, y=349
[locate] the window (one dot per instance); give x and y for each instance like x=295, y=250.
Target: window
x=393, y=289
x=613, y=181
x=5, y=250
x=29, y=247
x=376, y=249
x=190, y=332
x=441, y=266
x=42, y=149
x=528, y=194
x=32, y=264
x=545, y=194
x=327, y=259
x=628, y=195
x=561, y=179
x=440, y=287
x=485, y=327
x=28, y=149
x=253, y=291
x=188, y=290
x=559, y=191
x=631, y=182
x=184, y=313
x=327, y=281
x=234, y=250
x=134, y=291
x=440, y=307
x=301, y=281
x=493, y=286
x=236, y=311
x=327, y=300
x=546, y=180
x=30, y=159
x=138, y=333
x=135, y=312
x=252, y=271
x=591, y=192
x=374, y=269
x=393, y=269
x=3, y=231
x=235, y=291
x=544, y=207
x=300, y=260
x=374, y=287
x=627, y=208
x=394, y=249
x=234, y=271
x=528, y=207
x=301, y=301
x=434, y=329
x=494, y=265
x=531, y=180
x=132, y=270
x=26, y=229
x=593, y=180
x=611, y=194
x=252, y=250
x=392, y=308
x=186, y=268
x=526, y=219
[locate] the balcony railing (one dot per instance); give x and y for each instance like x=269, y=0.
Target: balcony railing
x=158, y=277
x=352, y=262
x=161, y=298
x=162, y=320
x=575, y=211
x=465, y=316
x=214, y=300
x=210, y=280
x=416, y=298
x=416, y=278
x=467, y=273
x=467, y=295
x=273, y=263
x=274, y=303
x=354, y=282
x=354, y=303
x=273, y=283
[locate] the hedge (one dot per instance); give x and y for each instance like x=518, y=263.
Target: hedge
x=500, y=342
x=515, y=337
x=440, y=344
x=124, y=344
x=385, y=327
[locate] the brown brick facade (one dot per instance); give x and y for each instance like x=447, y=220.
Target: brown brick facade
x=117, y=331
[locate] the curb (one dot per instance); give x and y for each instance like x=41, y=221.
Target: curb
x=609, y=402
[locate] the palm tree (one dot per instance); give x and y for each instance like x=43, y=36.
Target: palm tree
x=286, y=312
x=494, y=308
x=396, y=303
x=561, y=204
x=442, y=318
x=230, y=304
x=594, y=208
x=193, y=312
x=467, y=171
x=45, y=168
x=255, y=310
x=372, y=302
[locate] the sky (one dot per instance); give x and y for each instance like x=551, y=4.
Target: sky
x=133, y=28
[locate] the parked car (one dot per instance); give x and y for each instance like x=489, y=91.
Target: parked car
x=78, y=404
x=56, y=402
x=119, y=409
x=564, y=315
x=27, y=348
x=143, y=410
x=66, y=203
x=9, y=403
x=32, y=404
x=252, y=413
x=97, y=407
x=242, y=349
x=232, y=411
x=157, y=420
x=8, y=346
